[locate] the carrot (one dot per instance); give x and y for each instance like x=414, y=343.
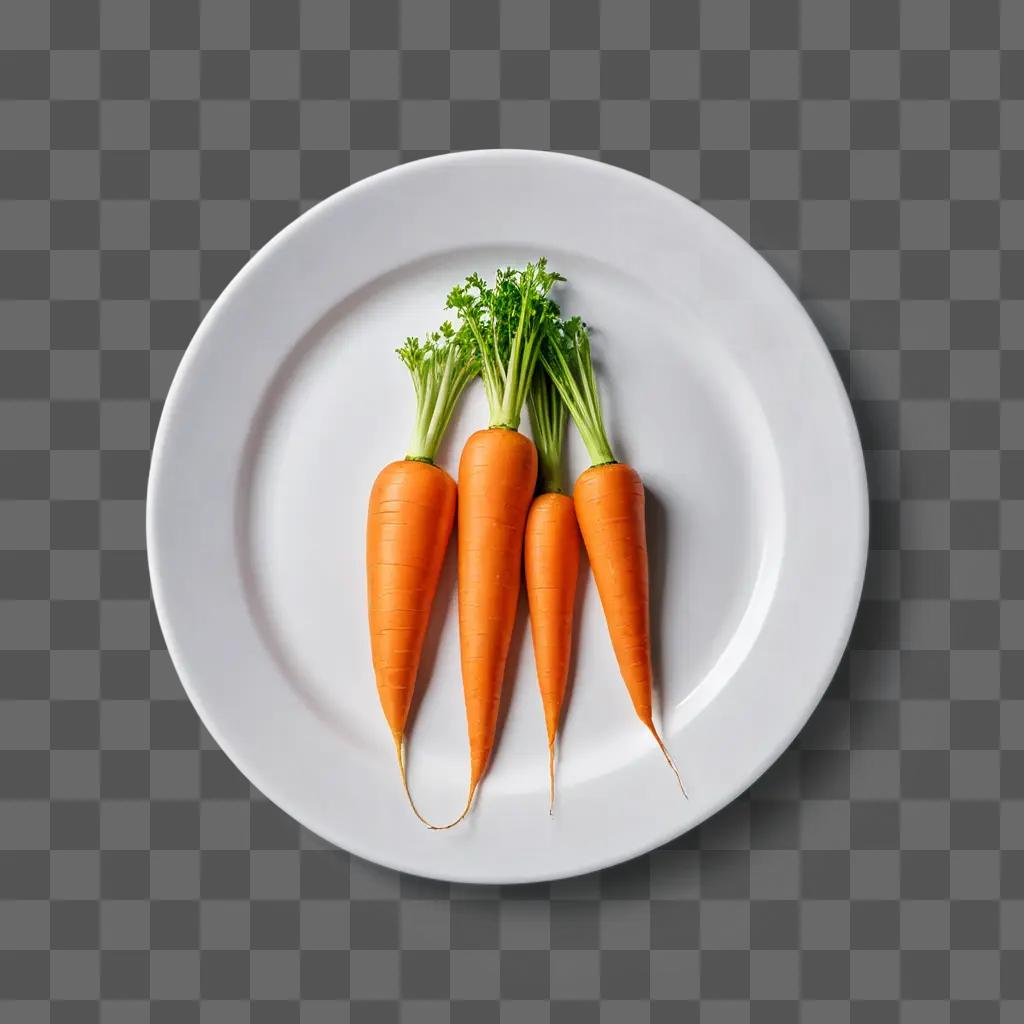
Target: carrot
x=551, y=553
x=609, y=501
x=412, y=509
x=497, y=476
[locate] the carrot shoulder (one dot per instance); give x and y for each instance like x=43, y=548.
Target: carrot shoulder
x=409, y=523
x=609, y=501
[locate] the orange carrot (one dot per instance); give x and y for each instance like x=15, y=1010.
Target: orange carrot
x=497, y=476
x=609, y=500
x=551, y=553
x=412, y=509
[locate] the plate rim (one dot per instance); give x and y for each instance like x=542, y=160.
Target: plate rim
x=670, y=829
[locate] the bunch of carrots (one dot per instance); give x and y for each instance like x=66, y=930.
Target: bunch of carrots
x=512, y=335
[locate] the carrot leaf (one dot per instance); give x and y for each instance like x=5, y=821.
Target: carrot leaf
x=507, y=322
x=441, y=365
x=565, y=357
x=548, y=417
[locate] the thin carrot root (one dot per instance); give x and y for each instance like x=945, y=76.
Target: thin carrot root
x=465, y=811
x=668, y=757
x=400, y=751
x=551, y=776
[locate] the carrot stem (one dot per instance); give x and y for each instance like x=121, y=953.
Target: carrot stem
x=548, y=416
x=566, y=359
x=441, y=366
x=507, y=322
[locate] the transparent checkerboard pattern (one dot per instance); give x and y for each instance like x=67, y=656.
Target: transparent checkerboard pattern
x=873, y=151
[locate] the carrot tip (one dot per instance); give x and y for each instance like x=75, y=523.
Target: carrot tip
x=551, y=777
x=668, y=758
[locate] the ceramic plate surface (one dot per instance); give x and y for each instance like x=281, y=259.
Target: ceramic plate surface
x=290, y=400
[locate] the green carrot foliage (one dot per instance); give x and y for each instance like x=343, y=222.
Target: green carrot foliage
x=441, y=365
x=507, y=322
x=548, y=416
x=566, y=359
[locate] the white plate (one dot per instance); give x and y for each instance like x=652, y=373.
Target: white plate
x=288, y=402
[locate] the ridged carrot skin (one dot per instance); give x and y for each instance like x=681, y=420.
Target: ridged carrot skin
x=411, y=513
x=551, y=553
x=497, y=476
x=609, y=503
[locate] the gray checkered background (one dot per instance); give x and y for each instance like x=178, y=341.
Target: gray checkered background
x=872, y=150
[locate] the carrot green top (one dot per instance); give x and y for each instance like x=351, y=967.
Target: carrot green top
x=507, y=323
x=566, y=360
x=548, y=417
x=441, y=366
